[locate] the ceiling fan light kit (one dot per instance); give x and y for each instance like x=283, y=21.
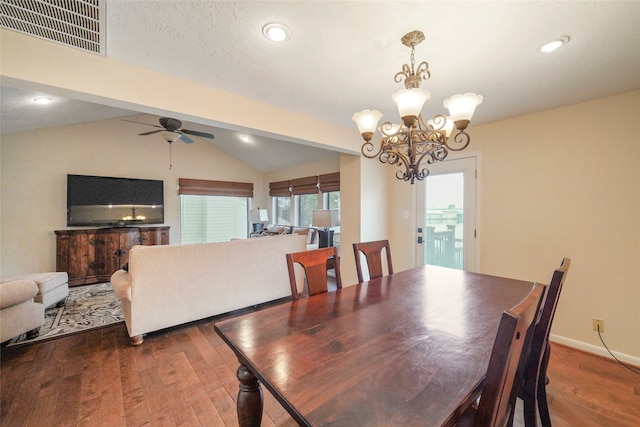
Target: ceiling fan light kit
x=408, y=144
x=171, y=130
x=170, y=135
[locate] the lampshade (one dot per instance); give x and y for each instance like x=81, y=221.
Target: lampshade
x=170, y=136
x=410, y=101
x=462, y=107
x=367, y=120
x=258, y=215
x=325, y=218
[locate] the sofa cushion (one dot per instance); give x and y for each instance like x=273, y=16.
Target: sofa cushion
x=302, y=231
x=17, y=291
x=45, y=281
x=310, y=232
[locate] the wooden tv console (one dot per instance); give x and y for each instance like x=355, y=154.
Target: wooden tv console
x=93, y=255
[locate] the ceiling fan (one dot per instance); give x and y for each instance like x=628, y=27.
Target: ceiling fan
x=172, y=131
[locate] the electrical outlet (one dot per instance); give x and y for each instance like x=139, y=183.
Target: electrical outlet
x=598, y=325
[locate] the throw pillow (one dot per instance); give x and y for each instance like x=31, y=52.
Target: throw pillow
x=302, y=231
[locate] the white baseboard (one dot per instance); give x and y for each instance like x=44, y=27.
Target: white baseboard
x=594, y=349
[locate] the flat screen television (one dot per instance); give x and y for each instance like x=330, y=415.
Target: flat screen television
x=115, y=202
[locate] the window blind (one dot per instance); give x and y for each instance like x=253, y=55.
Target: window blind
x=307, y=185
x=329, y=182
x=280, y=189
x=203, y=187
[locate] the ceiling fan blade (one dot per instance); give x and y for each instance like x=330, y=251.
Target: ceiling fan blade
x=140, y=123
x=185, y=138
x=196, y=133
x=151, y=132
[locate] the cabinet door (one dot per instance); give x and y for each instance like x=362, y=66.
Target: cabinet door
x=82, y=257
x=154, y=236
x=127, y=241
x=108, y=252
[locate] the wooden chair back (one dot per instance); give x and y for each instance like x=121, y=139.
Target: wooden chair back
x=314, y=263
x=533, y=390
x=373, y=254
x=504, y=372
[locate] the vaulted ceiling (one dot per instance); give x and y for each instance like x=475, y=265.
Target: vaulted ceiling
x=342, y=57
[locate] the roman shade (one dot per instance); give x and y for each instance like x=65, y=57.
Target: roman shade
x=307, y=185
x=280, y=189
x=329, y=182
x=203, y=187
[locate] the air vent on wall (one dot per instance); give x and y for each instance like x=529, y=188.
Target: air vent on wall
x=76, y=23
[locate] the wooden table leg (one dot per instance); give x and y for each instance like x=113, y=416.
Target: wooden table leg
x=250, y=400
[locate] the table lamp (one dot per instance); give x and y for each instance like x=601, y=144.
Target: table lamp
x=326, y=219
x=258, y=217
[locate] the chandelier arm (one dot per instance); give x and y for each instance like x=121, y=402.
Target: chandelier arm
x=368, y=145
x=439, y=122
x=462, y=139
x=423, y=68
x=406, y=72
x=394, y=158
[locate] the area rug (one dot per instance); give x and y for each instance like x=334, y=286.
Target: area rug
x=87, y=307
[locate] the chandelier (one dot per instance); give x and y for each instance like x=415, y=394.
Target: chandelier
x=414, y=141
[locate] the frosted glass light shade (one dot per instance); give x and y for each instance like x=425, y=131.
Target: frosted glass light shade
x=170, y=136
x=410, y=101
x=367, y=120
x=462, y=107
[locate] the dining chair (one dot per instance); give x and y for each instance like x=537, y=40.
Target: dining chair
x=314, y=263
x=533, y=387
x=373, y=254
x=504, y=372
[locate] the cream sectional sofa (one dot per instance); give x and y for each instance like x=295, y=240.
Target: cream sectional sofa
x=174, y=284
x=19, y=312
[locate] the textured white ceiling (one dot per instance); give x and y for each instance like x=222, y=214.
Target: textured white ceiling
x=342, y=56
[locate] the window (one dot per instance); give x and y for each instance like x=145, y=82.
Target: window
x=305, y=191
x=294, y=200
x=281, y=193
x=212, y=218
x=331, y=200
x=213, y=211
x=306, y=203
x=282, y=210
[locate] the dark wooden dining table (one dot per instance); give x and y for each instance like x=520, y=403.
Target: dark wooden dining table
x=408, y=349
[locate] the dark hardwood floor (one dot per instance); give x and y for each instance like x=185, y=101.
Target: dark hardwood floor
x=186, y=377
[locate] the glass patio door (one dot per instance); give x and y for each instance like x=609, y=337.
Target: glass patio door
x=447, y=215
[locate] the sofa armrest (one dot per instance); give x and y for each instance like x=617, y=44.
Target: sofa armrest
x=121, y=284
x=17, y=291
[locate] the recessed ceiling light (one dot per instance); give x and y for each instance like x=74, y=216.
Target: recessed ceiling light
x=43, y=100
x=276, y=32
x=245, y=138
x=552, y=45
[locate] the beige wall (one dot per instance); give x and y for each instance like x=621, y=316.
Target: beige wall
x=563, y=182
